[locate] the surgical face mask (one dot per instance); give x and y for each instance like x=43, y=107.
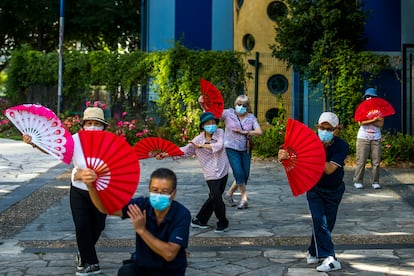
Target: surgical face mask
x=93, y=128
x=159, y=202
x=325, y=136
x=210, y=128
x=241, y=109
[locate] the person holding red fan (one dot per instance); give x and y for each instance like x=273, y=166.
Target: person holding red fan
x=324, y=198
x=89, y=222
x=368, y=144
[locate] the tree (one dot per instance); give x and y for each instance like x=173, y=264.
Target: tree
x=95, y=24
x=314, y=29
x=323, y=40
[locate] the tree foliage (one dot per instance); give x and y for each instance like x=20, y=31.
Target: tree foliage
x=322, y=40
x=173, y=76
x=314, y=29
x=94, y=24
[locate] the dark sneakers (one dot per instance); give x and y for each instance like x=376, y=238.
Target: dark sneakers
x=195, y=223
x=89, y=270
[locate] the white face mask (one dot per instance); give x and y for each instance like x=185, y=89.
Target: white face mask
x=93, y=128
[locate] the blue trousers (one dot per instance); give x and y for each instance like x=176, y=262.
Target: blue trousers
x=323, y=205
x=240, y=164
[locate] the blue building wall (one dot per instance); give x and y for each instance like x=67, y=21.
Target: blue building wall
x=206, y=24
x=222, y=25
x=193, y=23
x=160, y=25
x=383, y=27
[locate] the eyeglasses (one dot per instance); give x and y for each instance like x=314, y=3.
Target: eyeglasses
x=163, y=192
x=330, y=129
x=244, y=105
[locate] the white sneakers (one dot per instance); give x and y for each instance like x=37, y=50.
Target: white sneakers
x=358, y=185
x=311, y=259
x=376, y=186
x=329, y=264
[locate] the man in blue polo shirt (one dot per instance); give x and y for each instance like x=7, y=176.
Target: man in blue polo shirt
x=325, y=196
x=161, y=225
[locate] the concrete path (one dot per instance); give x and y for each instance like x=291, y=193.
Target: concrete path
x=374, y=234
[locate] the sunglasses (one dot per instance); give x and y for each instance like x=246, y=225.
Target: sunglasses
x=244, y=105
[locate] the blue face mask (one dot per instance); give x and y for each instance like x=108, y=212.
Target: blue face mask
x=159, y=202
x=210, y=128
x=241, y=109
x=325, y=136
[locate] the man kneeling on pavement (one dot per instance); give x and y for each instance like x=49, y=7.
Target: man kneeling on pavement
x=161, y=225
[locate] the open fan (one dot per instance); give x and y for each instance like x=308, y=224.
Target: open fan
x=116, y=165
x=213, y=100
x=45, y=128
x=372, y=108
x=151, y=146
x=307, y=157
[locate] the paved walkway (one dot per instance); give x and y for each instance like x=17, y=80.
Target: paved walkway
x=374, y=234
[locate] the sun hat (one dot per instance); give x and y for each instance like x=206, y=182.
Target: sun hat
x=94, y=114
x=370, y=92
x=330, y=118
x=207, y=116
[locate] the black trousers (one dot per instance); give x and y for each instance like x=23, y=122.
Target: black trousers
x=131, y=269
x=214, y=203
x=89, y=223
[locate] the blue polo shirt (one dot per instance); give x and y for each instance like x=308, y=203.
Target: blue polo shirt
x=336, y=153
x=175, y=228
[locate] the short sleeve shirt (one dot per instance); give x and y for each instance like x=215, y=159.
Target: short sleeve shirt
x=232, y=139
x=175, y=228
x=335, y=153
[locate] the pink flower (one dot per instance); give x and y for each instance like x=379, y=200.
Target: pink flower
x=145, y=131
x=96, y=104
x=139, y=134
x=119, y=124
x=87, y=103
x=103, y=106
x=124, y=114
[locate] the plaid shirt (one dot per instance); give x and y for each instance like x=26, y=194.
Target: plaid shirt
x=232, y=139
x=213, y=161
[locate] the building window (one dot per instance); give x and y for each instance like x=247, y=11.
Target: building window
x=277, y=84
x=248, y=42
x=239, y=4
x=271, y=113
x=276, y=9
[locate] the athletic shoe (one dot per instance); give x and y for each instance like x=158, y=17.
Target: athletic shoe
x=358, y=185
x=329, y=264
x=221, y=229
x=376, y=186
x=228, y=200
x=80, y=265
x=243, y=205
x=195, y=223
x=311, y=259
x=89, y=270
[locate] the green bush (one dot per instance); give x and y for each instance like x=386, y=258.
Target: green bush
x=267, y=145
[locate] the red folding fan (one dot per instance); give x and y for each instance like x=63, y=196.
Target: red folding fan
x=213, y=100
x=307, y=157
x=45, y=129
x=372, y=108
x=151, y=146
x=116, y=165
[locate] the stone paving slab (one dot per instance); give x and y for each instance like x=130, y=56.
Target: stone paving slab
x=374, y=234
